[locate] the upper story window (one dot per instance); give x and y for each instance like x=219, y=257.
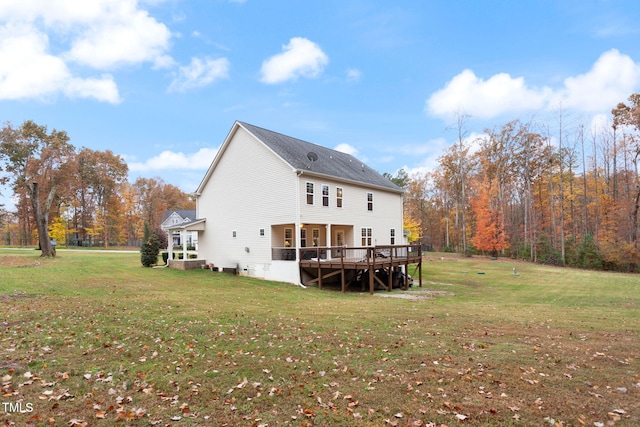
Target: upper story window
x=325, y=195
x=369, y=201
x=309, y=193
x=339, y=197
x=393, y=236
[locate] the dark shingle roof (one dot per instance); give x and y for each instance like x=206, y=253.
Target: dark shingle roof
x=329, y=162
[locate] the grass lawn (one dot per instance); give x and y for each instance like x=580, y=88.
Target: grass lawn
x=93, y=338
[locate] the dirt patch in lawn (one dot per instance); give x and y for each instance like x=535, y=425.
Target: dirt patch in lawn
x=18, y=261
x=419, y=294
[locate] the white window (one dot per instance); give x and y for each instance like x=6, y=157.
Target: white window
x=339, y=197
x=288, y=237
x=369, y=201
x=393, y=236
x=234, y=233
x=367, y=235
x=325, y=195
x=262, y=232
x=303, y=237
x=315, y=236
x=309, y=193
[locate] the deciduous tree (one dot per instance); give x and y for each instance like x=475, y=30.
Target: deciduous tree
x=38, y=161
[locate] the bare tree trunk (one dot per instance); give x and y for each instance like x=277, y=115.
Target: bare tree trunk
x=42, y=218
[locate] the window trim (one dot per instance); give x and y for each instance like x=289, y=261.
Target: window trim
x=310, y=194
x=339, y=196
x=288, y=239
x=370, y=201
x=366, y=236
x=325, y=196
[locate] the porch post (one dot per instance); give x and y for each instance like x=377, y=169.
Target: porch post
x=183, y=240
x=170, y=247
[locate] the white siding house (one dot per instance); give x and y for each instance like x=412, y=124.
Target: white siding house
x=267, y=194
x=172, y=219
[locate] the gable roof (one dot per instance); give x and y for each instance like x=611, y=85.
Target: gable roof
x=329, y=162
x=184, y=213
x=326, y=162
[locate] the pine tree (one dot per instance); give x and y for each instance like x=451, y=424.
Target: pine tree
x=150, y=247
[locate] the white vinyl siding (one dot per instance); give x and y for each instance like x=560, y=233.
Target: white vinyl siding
x=242, y=198
x=354, y=211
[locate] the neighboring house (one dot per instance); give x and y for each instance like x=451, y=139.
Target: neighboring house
x=266, y=194
x=173, y=222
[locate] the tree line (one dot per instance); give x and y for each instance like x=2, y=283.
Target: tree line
x=567, y=197
x=78, y=197
x=570, y=196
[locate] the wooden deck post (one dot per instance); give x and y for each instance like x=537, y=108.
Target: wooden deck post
x=319, y=268
x=342, y=269
x=390, y=274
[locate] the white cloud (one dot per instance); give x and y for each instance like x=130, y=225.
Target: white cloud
x=40, y=40
x=199, y=73
x=300, y=58
x=485, y=98
x=177, y=160
x=346, y=148
x=353, y=75
x=28, y=71
x=123, y=34
x=611, y=79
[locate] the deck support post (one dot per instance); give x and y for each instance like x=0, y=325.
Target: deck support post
x=342, y=270
x=319, y=268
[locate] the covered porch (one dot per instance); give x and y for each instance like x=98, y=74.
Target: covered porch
x=184, y=229
x=287, y=238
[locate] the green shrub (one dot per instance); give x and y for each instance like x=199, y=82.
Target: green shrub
x=150, y=247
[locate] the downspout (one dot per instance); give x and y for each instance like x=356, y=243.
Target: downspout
x=298, y=222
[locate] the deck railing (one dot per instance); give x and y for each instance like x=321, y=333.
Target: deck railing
x=355, y=254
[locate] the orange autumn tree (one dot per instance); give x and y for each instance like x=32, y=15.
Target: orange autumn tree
x=489, y=233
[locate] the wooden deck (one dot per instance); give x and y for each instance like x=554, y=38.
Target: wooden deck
x=367, y=266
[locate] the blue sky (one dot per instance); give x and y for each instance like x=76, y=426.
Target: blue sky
x=161, y=82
